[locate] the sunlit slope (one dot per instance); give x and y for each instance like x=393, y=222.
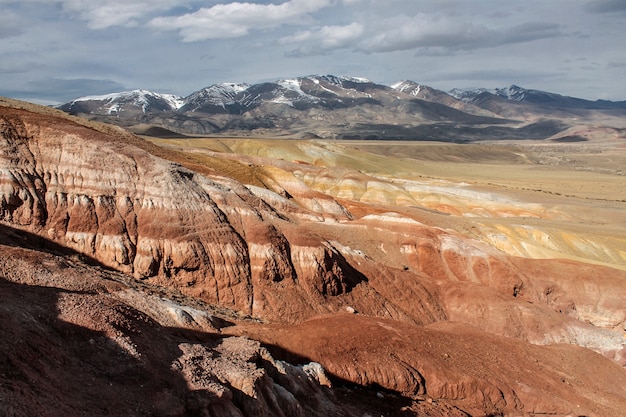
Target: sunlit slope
x=532, y=200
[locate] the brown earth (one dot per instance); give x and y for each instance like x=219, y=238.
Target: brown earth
x=519, y=282
x=78, y=339
x=456, y=364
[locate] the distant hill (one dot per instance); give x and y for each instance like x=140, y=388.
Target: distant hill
x=329, y=106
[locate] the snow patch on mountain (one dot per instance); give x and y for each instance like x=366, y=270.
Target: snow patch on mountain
x=293, y=85
x=175, y=101
x=337, y=80
x=360, y=80
x=408, y=87
x=467, y=95
x=513, y=92
x=290, y=90
x=220, y=95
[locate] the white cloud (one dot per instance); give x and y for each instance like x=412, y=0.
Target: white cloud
x=325, y=39
x=422, y=31
x=234, y=20
x=102, y=14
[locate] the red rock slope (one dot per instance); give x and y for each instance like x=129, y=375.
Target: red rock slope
x=294, y=253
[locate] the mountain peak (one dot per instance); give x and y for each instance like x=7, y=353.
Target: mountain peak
x=514, y=92
x=407, y=86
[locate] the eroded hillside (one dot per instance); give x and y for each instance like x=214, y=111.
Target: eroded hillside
x=518, y=244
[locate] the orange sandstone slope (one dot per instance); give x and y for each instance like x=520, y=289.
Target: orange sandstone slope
x=279, y=250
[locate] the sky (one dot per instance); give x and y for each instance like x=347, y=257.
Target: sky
x=52, y=51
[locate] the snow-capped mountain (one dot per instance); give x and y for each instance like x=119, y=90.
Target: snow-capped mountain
x=131, y=102
x=217, y=98
x=409, y=87
x=348, y=107
x=300, y=93
x=323, y=91
x=424, y=92
x=514, y=93
x=467, y=95
x=433, y=95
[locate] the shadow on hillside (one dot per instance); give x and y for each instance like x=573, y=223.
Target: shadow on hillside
x=118, y=362
x=15, y=237
x=571, y=139
x=375, y=399
x=51, y=367
x=453, y=132
x=74, y=352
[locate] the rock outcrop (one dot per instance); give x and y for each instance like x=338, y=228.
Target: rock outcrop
x=77, y=340
x=149, y=217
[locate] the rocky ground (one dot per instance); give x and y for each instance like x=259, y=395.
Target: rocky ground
x=232, y=277
x=82, y=340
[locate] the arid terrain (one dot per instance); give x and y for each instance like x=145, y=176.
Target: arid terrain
x=259, y=277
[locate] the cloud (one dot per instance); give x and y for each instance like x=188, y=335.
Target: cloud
x=236, y=19
x=501, y=76
x=325, y=39
x=606, y=6
x=105, y=14
x=9, y=25
x=76, y=45
x=616, y=65
x=530, y=31
x=420, y=32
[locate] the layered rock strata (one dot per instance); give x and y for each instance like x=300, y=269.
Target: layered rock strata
x=287, y=253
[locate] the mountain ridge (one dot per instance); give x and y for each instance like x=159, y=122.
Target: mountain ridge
x=329, y=106
x=512, y=92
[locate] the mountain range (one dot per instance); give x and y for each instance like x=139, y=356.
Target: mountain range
x=339, y=107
